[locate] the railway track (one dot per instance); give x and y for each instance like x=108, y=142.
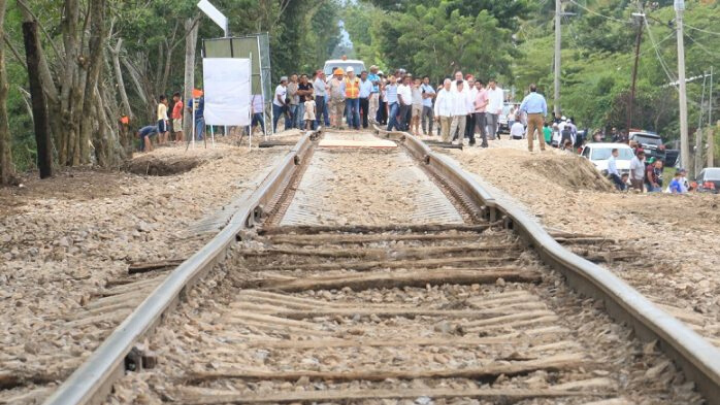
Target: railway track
x=369, y=272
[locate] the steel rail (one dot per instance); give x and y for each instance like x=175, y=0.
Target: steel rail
x=698, y=358
x=92, y=381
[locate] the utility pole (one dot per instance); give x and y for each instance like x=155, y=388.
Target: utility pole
x=558, y=43
x=638, y=41
x=684, y=145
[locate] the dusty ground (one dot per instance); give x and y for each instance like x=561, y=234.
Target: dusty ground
x=62, y=239
x=675, y=236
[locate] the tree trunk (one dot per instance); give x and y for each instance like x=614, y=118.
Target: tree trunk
x=697, y=167
x=120, y=81
x=190, y=44
x=95, y=64
x=70, y=29
x=711, y=147
x=7, y=170
x=40, y=113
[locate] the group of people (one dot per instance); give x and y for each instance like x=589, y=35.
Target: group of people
x=645, y=175
x=174, y=123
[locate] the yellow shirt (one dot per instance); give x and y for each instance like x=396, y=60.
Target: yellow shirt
x=162, y=112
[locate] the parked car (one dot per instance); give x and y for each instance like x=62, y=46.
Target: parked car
x=598, y=153
x=708, y=181
x=651, y=143
x=671, y=157
x=357, y=65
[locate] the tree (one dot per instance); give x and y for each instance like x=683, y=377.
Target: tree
x=438, y=40
x=7, y=170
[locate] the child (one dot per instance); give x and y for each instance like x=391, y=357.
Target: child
x=309, y=112
x=162, y=120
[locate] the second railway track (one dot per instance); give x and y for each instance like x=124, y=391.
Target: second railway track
x=372, y=276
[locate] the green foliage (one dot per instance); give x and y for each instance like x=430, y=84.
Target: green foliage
x=433, y=38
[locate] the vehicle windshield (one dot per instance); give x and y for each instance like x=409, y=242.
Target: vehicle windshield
x=357, y=67
x=604, y=154
x=648, y=140
x=712, y=175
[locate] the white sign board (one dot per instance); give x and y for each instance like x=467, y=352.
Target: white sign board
x=228, y=84
x=214, y=14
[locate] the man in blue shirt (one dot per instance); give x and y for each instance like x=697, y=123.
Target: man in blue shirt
x=428, y=94
x=374, y=78
x=144, y=134
x=676, y=186
x=535, y=106
x=199, y=107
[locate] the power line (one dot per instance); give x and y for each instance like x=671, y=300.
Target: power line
x=597, y=13
x=702, y=30
x=703, y=47
x=664, y=66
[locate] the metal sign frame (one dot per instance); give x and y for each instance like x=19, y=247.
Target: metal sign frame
x=262, y=42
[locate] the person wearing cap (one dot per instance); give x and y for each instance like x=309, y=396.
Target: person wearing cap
x=352, y=99
x=535, y=106
x=374, y=100
x=652, y=175
x=280, y=103
x=320, y=90
x=637, y=171
x=382, y=115
x=336, y=89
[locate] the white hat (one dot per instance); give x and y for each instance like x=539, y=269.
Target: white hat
x=350, y=69
x=380, y=72
x=563, y=118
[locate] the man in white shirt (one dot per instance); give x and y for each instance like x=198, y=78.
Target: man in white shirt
x=458, y=78
x=279, y=102
x=404, y=94
x=444, y=109
x=613, y=170
x=470, y=125
x=517, y=131
x=460, y=110
x=496, y=99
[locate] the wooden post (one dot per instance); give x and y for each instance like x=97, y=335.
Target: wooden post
x=711, y=146
x=39, y=106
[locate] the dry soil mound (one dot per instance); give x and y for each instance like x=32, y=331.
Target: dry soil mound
x=570, y=172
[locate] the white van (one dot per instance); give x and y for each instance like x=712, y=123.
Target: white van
x=357, y=65
x=599, y=153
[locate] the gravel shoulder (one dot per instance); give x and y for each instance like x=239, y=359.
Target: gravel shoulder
x=674, y=237
x=62, y=240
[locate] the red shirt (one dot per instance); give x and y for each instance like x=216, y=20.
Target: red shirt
x=177, y=110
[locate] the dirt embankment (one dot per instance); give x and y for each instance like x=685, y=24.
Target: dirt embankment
x=675, y=237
